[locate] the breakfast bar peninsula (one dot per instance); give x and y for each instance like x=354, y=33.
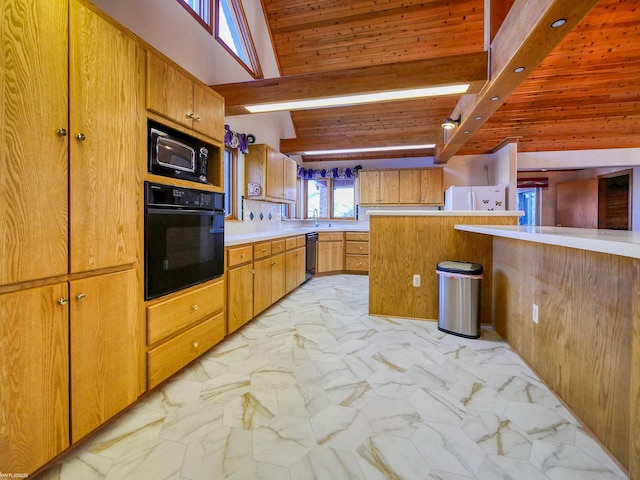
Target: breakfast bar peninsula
x=584, y=341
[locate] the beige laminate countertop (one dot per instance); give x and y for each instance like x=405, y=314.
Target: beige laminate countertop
x=613, y=242
x=239, y=239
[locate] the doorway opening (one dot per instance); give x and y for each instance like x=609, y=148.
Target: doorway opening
x=614, y=200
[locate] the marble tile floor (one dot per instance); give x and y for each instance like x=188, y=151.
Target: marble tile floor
x=315, y=388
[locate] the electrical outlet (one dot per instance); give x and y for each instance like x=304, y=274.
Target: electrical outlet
x=416, y=280
x=534, y=313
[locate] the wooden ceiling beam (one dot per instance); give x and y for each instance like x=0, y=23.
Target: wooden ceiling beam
x=524, y=39
x=468, y=68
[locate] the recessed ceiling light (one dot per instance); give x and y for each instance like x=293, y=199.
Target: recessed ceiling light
x=558, y=23
x=479, y=117
x=370, y=149
x=518, y=70
x=359, y=98
x=466, y=131
x=493, y=99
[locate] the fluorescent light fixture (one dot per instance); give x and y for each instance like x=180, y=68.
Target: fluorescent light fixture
x=359, y=99
x=370, y=149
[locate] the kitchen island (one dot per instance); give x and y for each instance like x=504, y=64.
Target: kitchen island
x=405, y=243
x=586, y=342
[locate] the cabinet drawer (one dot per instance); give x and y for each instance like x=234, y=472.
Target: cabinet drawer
x=277, y=246
x=358, y=263
x=358, y=236
x=171, y=356
x=301, y=241
x=358, y=248
x=330, y=236
x=261, y=250
x=170, y=316
x=291, y=243
x=239, y=255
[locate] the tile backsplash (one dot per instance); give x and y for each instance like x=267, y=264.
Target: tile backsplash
x=258, y=216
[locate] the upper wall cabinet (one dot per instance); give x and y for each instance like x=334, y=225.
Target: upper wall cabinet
x=273, y=171
x=176, y=96
x=401, y=187
x=421, y=186
x=379, y=187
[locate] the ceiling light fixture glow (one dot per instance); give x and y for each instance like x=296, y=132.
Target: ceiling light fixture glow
x=559, y=23
x=370, y=149
x=359, y=98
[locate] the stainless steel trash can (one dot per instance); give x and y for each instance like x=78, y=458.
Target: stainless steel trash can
x=459, y=298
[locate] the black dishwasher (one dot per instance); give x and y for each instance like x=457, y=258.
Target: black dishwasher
x=312, y=241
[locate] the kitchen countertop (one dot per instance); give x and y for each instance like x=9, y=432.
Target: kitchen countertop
x=445, y=213
x=241, y=238
x=613, y=242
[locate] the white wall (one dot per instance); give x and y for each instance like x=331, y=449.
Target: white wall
x=170, y=28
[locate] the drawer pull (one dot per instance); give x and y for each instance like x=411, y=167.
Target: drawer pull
x=195, y=306
x=264, y=249
x=243, y=255
x=195, y=344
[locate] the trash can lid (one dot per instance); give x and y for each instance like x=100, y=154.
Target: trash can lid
x=460, y=267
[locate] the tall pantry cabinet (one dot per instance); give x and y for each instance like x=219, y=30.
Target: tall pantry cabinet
x=73, y=128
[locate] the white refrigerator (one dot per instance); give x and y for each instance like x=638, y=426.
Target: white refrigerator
x=475, y=198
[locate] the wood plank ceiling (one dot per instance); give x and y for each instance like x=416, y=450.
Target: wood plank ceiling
x=584, y=95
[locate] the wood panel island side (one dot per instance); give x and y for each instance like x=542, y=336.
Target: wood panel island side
x=586, y=344
x=404, y=243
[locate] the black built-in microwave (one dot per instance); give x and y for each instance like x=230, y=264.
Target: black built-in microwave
x=176, y=154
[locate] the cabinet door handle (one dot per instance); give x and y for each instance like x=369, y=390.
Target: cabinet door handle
x=62, y=132
x=80, y=296
x=195, y=306
x=81, y=136
x=62, y=301
x=190, y=115
x=272, y=264
x=197, y=119
x=195, y=344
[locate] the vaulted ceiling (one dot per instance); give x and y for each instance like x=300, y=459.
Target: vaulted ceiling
x=580, y=88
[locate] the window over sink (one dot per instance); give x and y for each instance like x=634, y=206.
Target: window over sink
x=333, y=198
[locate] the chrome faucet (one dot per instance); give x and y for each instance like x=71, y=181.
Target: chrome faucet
x=315, y=215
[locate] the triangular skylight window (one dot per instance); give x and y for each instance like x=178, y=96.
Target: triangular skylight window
x=232, y=31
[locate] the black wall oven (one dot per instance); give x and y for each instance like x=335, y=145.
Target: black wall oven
x=184, y=238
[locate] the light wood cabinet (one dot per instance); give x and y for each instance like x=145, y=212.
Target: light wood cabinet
x=296, y=263
x=421, y=186
x=170, y=356
x=34, y=398
x=176, y=313
x=173, y=94
x=259, y=275
x=70, y=204
x=105, y=351
x=278, y=277
x=330, y=252
x=379, y=187
x=273, y=171
x=33, y=156
x=105, y=83
x=401, y=187
x=240, y=296
x=261, y=285
x=357, y=252
x=183, y=327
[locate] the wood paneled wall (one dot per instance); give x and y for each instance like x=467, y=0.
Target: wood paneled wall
x=401, y=247
x=582, y=345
